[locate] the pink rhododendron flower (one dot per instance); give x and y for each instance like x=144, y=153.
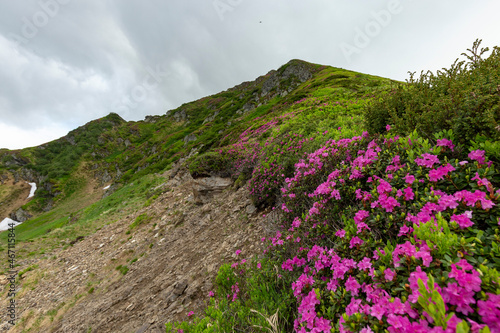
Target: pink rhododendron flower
x=398, y=323
x=483, y=182
x=389, y=203
x=447, y=201
x=439, y=173
x=355, y=241
x=314, y=209
x=237, y=252
x=384, y=187
x=406, y=249
x=389, y=274
x=404, y=230
x=360, y=216
x=190, y=313
x=455, y=295
x=445, y=143
x=332, y=285
x=425, y=254
x=362, y=226
x=340, y=233
x=296, y=222
x=353, y=307
x=414, y=277
x=477, y=155
x=427, y=160
x=352, y=285
x=409, y=195
x=388, y=128
x=377, y=311
x=462, y=220
x=365, y=264
x=396, y=307
x=489, y=311
x=303, y=281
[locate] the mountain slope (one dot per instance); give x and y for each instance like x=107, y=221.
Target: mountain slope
x=84, y=241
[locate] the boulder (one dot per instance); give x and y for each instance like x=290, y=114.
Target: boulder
x=189, y=138
x=203, y=188
x=20, y=215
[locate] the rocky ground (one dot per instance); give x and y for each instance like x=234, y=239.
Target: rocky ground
x=195, y=226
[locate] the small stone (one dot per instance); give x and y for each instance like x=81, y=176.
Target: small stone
x=251, y=209
x=143, y=328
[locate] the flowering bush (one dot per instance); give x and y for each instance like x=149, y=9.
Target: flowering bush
x=371, y=226
x=382, y=233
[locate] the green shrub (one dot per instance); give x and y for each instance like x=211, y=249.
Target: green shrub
x=250, y=297
x=464, y=98
x=141, y=219
x=122, y=269
x=210, y=164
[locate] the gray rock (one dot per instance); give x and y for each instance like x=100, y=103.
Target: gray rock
x=20, y=215
x=179, y=289
x=251, y=209
x=180, y=116
x=143, y=328
x=151, y=119
x=71, y=140
x=296, y=70
x=211, y=118
x=189, y=138
x=203, y=188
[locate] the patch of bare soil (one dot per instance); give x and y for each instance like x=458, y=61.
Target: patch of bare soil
x=12, y=195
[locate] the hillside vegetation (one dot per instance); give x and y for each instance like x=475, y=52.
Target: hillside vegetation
x=382, y=196
x=376, y=231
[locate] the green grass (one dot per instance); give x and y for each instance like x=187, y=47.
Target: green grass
x=141, y=219
x=122, y=269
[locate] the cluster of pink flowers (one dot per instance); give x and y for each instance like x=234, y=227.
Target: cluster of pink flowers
x=368, y=290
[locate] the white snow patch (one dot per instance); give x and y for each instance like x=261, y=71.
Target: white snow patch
x=4, y=225
x=32, y=191
x=107, y=187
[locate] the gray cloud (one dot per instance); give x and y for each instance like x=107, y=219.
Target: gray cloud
x=66, y=62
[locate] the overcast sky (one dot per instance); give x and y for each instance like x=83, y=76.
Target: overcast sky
x=66, y=62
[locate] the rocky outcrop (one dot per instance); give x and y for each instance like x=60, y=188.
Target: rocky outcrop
x=151, y=119
x=288, y=77
x=13, y=160
x=180, y=116
x=211, y=118
x=189, y=138
x=20, y=215
x=205, y=188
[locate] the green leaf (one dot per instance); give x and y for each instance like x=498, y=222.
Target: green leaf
x=485, y=329
x=462, y=327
